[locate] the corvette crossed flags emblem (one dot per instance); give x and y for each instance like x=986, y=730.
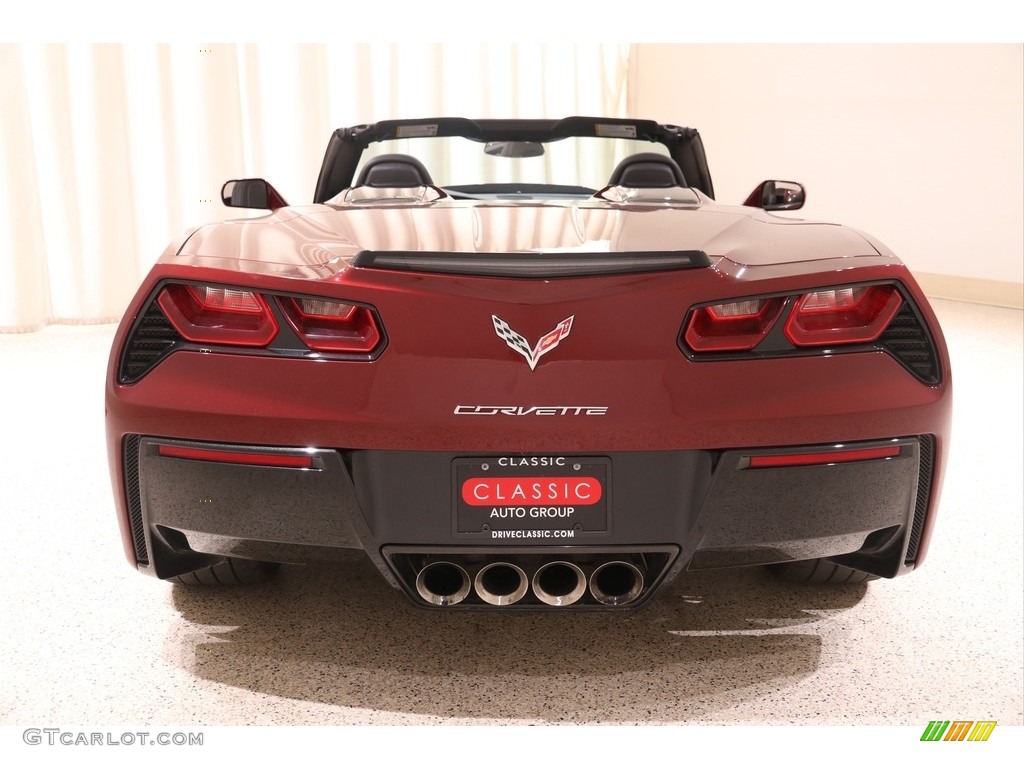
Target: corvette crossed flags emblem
x=518, y=342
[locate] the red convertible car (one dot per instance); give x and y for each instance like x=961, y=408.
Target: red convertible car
x=526, y=364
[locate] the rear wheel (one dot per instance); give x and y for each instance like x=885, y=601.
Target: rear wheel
x=818, y=571
x=230, y=571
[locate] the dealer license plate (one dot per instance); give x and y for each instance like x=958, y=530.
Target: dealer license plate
x=545, y=497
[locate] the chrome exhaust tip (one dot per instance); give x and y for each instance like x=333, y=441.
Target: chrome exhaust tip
x=501, y=583
x=442, y=583
x=559, y=583
x=616, y=583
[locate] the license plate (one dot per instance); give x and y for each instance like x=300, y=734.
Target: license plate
x=536, y=496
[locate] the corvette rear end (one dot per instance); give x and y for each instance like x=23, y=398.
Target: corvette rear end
x=553, y=401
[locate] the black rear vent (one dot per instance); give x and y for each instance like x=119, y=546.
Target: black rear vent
x=924, y=489
x=533, y=265
x=907, y=341
x=131, y=484
x=152, y=337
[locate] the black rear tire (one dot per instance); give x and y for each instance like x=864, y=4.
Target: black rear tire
x=229, y=572
x=819, y=571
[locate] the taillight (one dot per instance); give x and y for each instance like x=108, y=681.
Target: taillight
x=210, y=314
x=733, y=326
x=845, y=315
x=333, y=326
x=814, y=321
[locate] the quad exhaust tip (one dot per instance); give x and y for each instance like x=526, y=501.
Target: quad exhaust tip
x=559, y=583
x=443, y=583
x=501, y=583
x=616, y=583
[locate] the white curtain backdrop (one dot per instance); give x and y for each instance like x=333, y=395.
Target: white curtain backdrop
x=107, y=152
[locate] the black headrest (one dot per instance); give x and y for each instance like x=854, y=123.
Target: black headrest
x=394, y=171
x=647, y=170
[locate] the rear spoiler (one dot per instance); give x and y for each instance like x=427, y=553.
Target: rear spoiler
x=532, y=265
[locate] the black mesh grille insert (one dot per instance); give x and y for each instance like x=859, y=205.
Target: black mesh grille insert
x=924, y=490
x=907, y=341
x=152, y=337
x=131, y=485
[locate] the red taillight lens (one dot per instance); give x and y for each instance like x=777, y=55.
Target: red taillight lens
x=333, y=326
x=846, y=315
x=211, y=314
x=733, y=326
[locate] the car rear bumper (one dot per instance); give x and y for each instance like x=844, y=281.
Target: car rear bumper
x=863, y=504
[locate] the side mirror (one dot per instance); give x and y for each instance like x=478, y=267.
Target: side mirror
x=251, y=193
x=777, y=196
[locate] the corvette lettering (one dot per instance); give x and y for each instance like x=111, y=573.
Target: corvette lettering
x=532, y=410
x=518, y=342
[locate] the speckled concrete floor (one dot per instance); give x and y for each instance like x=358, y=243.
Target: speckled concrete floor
x=85, y=640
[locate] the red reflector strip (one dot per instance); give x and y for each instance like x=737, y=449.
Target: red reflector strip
x=824, y=457
x=237, y=457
